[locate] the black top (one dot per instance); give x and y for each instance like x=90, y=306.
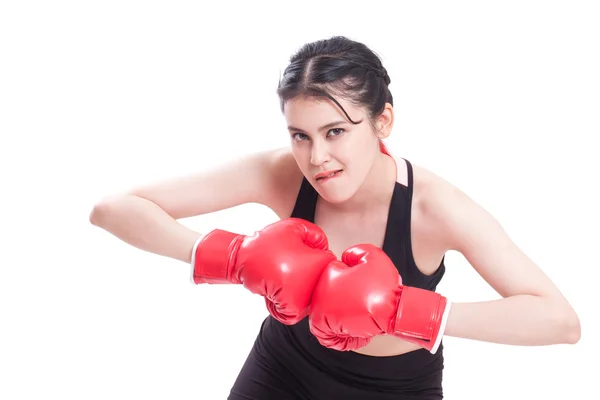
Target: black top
x=397, y=243
x=294, y=348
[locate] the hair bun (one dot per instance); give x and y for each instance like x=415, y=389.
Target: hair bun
x=384, y=75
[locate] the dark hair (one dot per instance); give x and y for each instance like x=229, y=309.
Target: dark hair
x=337, y=66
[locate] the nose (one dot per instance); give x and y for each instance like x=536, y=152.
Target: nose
x=319, y=153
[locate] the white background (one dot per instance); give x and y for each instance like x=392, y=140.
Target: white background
x=500, y=98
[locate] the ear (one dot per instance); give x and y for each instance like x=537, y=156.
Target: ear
x=385, y=122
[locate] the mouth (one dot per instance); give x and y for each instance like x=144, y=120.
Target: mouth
x=322, y=176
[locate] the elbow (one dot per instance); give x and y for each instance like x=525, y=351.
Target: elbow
x=96, y=214
x=571, y=328
x=567, y=325
x=101, y=209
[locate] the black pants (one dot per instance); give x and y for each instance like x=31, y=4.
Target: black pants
x=287, y=363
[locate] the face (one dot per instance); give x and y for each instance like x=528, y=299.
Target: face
x=334, y=154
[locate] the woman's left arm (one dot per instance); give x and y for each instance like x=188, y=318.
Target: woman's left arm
x=532, y=310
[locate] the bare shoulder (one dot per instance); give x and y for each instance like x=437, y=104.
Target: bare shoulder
x=268, y=177
x=428, y=243
x=285, y=181
x=425, y=184
x=437, y=205
x=445, y=218
x=428, y=185
x=454, y=221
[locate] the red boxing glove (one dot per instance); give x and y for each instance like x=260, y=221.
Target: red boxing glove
x=281, y=262
x=362, y=296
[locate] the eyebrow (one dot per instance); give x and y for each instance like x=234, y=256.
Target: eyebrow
x=326, y=126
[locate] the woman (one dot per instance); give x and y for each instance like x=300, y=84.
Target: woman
x=350, y=278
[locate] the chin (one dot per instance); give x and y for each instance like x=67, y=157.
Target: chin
x=335, y=195
x=335, y=199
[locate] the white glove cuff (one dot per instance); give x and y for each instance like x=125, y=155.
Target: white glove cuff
x=440, y=335
x=193, y=262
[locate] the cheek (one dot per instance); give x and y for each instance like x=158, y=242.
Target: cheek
x=302, y=157
x=358, y=149
x=361, y=155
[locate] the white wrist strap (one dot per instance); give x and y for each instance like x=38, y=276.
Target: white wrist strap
x=438, y=340
x=193, y=262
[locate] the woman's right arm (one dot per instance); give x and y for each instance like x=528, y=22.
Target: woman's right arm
x=146, y=217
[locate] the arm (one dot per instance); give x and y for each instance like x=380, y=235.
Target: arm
x=143, y=224
x=146, y=217
x=532, y=310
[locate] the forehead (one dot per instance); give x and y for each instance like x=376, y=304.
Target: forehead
x=312, y=112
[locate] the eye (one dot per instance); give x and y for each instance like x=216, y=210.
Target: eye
x=299, y=136
x=336, y=131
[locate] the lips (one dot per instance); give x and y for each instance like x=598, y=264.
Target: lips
x=327, y=174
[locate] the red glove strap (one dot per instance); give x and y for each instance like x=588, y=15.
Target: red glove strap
x=214, y=254
x=420, y=316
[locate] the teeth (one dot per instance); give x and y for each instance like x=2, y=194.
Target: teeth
x=329, y=176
